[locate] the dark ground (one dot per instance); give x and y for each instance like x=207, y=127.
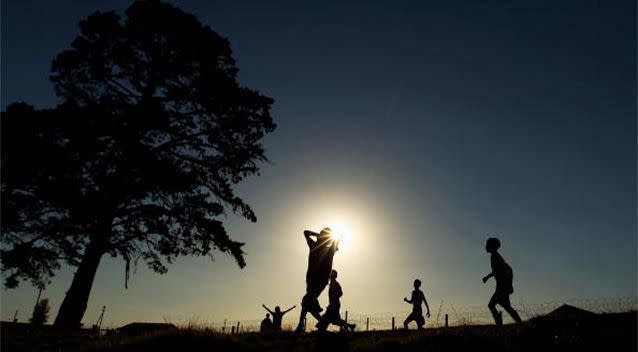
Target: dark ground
x=604, y=332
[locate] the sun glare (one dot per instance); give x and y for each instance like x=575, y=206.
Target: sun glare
x=348, y=227
x=342, y=233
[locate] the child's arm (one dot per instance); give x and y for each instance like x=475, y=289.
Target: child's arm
x=289, y=309
x=426, y=306
x=266, y=308
x=407, y=300
x=335, y=245
x=307, y=234
x=487, y=277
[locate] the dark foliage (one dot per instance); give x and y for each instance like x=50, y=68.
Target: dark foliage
x=140, y=159
x=41, y=313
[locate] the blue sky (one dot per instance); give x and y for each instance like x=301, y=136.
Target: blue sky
x=422, y=126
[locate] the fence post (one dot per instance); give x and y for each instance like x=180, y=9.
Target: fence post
x=232, y=330
x=392, y=323
x=367, y=323
x=446, y=321
x=237, y=330
x=224, y=327
x=346, y=316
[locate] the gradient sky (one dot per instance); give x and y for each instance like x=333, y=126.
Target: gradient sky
x=424, y=126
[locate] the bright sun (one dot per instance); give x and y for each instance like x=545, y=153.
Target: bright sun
x=346, y=225
x=342, y=232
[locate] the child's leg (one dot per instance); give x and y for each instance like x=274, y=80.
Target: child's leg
x=322, y=325
x=316, y=314
x=505, y=303
x=304, y=310
x=420, y=321
x=302, y=318
x=495, y=313
x=408, y=320
x=310, y=304
x=328, y=318
x=343, y=324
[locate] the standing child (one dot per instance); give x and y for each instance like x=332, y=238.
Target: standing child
x=504, y=276
x=320, y=255
x=417, y=312
x=332, y=315
x=277, y=315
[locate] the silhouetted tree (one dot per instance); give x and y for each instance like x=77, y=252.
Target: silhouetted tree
x=138, y=161
x=41, y=313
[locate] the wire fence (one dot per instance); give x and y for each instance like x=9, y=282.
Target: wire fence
x=445, y=311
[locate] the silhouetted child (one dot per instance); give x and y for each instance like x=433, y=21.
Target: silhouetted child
x=417, y=312
x=266, y=324
x=332, y=315
x=504, y=276
x=321, y=253
x=277, y=315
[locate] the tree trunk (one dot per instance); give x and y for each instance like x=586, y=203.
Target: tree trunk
x=74, y=304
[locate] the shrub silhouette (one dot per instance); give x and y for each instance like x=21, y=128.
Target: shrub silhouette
x=40, y=313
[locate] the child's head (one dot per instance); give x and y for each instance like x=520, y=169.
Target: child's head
x=325, y=232
x=267, y=315
x=333, y=274
x=277, y=309
x=417, y=284
x=492, y=245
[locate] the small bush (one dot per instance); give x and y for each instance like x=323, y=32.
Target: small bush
x=40, y=313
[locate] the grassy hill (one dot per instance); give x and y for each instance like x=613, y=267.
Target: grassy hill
x=602, y=332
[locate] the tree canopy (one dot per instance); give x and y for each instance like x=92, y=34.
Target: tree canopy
x=140, y=158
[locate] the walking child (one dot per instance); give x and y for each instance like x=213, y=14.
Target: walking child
x=332, y=315
x=504, y=276
x=417, y=311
